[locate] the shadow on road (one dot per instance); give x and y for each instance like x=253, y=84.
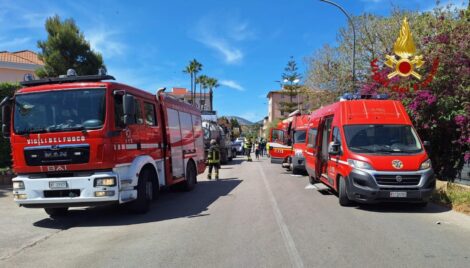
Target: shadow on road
x=4, y=190
x=402, y=208
x=171, y=204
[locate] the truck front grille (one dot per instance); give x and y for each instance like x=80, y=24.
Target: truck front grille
x=399, y=180
x=57, y=155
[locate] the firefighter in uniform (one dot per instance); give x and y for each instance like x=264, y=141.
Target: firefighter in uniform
x=248, y=146
x=213, y=159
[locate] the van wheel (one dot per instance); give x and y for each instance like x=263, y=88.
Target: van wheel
x=144, y=193
x=343, y=193
x=56, y=212
x=191, y=178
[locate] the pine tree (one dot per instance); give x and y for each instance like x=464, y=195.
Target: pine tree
x=66, y=48
x=290, y=87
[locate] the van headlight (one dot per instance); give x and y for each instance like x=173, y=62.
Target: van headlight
x=18, y=185
x=359, y=164
x=298, y=153
x=105, y=181
x=426, y=164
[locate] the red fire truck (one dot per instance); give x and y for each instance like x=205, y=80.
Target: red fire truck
x=297, y=130
x=368, y=151
x=287, y=142
x=279, y=151
x=79, y=141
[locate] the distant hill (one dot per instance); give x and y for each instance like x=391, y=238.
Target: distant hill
x=241, y=121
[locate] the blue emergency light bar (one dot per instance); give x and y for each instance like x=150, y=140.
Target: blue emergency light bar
x=355, y=96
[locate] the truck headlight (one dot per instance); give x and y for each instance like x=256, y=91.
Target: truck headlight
x=426, y=164
x=298, y=152
x=359, y=164
x=105, y=181
x=18, y=185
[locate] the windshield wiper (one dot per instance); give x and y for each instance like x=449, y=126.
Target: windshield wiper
x=363, y=148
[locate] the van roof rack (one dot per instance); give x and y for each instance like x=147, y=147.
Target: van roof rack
x=70, y=77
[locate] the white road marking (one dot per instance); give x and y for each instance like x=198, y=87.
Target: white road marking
x=288, y=241
x=311, y=186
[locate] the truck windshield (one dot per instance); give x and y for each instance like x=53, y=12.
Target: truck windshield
x=387, y=139
x=59, y=110
x=299, y=136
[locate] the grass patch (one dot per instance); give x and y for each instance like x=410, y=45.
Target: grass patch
x=453, y=195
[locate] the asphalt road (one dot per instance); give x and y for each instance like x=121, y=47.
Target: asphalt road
x=256, y=216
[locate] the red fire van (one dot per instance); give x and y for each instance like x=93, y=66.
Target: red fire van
x=368, y=151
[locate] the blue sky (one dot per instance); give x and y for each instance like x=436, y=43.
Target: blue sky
x=245, y=44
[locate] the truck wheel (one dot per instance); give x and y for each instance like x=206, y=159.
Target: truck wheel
x=56, y=212
x=144, y=193
x=342, y=193
x=191, y=177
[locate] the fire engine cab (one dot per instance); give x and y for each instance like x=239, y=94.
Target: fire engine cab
x=368, y=151
x=81, y=141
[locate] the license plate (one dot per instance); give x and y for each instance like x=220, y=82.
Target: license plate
x=398, y=194
x=58, y=184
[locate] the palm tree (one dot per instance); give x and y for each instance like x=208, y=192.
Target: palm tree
x=202, y=81
x=192, y=69
x=211, y=84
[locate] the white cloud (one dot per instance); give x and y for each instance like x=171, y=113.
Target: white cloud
x=232, y=84
x=104, y=42
x=231, y=54
x=223, y=37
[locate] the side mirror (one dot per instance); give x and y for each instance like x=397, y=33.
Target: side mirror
x=129, y=109
x=6, y=118
x=334, y=148
x=427, y=146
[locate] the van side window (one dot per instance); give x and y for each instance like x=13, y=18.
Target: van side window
x=138, y=113
x=312, y=136
x=149, y=110
x=118, y=112
x=336, y=136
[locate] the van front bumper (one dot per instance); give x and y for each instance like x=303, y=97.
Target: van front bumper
x=78, y=191
x=363, y=187
x=298, y=163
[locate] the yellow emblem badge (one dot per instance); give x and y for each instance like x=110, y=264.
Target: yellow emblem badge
x=403, y=61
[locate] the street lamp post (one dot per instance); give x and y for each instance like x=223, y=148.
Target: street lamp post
x=354, y=41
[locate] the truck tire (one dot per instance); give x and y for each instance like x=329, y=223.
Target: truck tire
x=145, y=192
x=56, y=212
x=343, y=193
x=191, y=177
